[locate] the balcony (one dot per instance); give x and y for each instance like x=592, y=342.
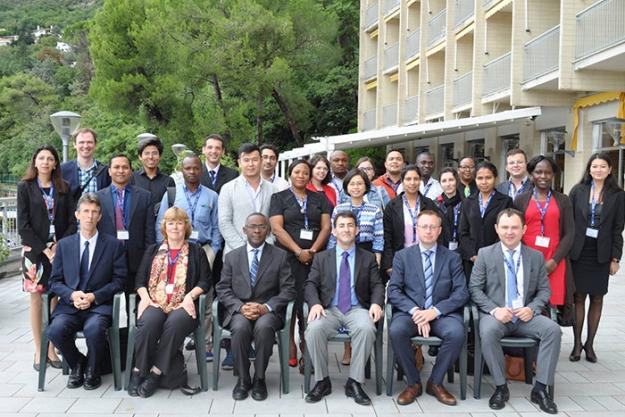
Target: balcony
x=389, y=115
x=371, y=15
x=391, y=56
x=600, y=27
x=434, y=100
x=411, y=109
x=412, y=44
x=486, y=4
x=368, y=120
x=463, y=90
x=496, y=77
x=541, y=55
x=464, y=12
x=390, y=5
x=371, y=67
x=436, y=27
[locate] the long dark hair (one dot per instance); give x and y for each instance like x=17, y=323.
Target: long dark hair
x=57, y=178
x=610, y=181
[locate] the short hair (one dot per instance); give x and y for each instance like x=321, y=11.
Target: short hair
x=256, y=213
x=365, y=159
x=156, y=142
x=85, y=130
x=408, y=168
x=215, y=136
x=516, y=151
x=531, y=165
x=345, y=214
x=430, y=213
x=320, y=158
x=356, y=172
x=271, y=147
x=247, y=148
x=450, y=171
x=487, y=165
x=509, y=212
x=296, y=163
x=120, y=155
x=176, y=214
x=394, y=150
x=425, y=153
x=89, y=198
x=190, y=155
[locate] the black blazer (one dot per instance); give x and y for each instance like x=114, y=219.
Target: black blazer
x=70, y=174
x=320, y=286
x=140, y=225
x=475, y=232
x=224, y=175
x=611, y=223
x=33, y=224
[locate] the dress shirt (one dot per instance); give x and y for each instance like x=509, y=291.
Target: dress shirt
x=513, y=192
x=279, y=183
x=519, y=275
x=422, y=250
x=126, y=204
x=215, y=170
x=254, y=194
x=92, y=243
x=352, y=262
x=250, y=254
x=156, y=186
x=432, y=189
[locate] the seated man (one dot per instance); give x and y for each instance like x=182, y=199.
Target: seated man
x=343, y=289
x=255, y=287
x=427, y=291
x=88, y=269
x=509, y=285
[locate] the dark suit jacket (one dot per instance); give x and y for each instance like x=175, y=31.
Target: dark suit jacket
x=275, y=286
x=70, y=174
x=140, y=223
x=503, y=187
x=610, y=238
x=320, y=286
x=107, y=273
x=224, y=175
x=33, y=224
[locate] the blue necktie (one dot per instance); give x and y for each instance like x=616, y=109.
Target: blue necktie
x=212, y=176
x=429, y=275
x=345, y=285
x=511, y=282
x=84, y=267
x=254, y=268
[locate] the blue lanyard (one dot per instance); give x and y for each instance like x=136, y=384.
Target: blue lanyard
x=170, y=265
x=390, y=182
x=593, y=204
x=413, y=216
x=456, y=216
x=426, y=187
x=542, y=210
x=515, y=270
x=481, y=202
x=48, y=199
x=513, y=192
x=192, y=205
x=303, y=207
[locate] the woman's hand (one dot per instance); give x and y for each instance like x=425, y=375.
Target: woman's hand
x=550, y=266
x=305, y=256
x=188, y=305
x=143, y=304
x=614, y=266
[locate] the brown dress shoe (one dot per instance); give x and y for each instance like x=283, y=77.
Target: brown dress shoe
x=418, y=356
x=441, y=394
x=409, y=394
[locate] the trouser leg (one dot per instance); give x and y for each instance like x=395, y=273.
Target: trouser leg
x=317, y=334
x=149, y=329
x=178, y=324
x=241, y=330
x=61, y=333
x=362, y=332
x=94, y=329
x=491, y=333
x=451, y=331
x=401, y=330
x=265, y=330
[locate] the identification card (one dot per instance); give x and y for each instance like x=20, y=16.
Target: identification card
x=592, y=232
x=517, y=303
x=169, y=288
x=542, y=241
x=306, y=234
x=195, y=235
x=453, y=245
x=52, y=230
x=123, y=235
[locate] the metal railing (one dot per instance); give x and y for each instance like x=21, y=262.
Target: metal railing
x=391, y=56
x=390, y=5
x=463, y=90
x=436, y=27
x=371, y=67
x=487, y=3
x=496, y=75
x=411, y=109
x=599, y=26
x=412, y=43
x=541, y=54
x=8, y=221
x=434, y=100
x=371, y=14
x=464, y=11
x=389, y=115
x=368, y=120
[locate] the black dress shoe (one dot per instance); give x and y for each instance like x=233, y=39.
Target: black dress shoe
x=320, y=390
x=77, y=375
x=355, y=391
x=241, y=390
x=498, y=399
x=148, y=386
x=133, y=384
x=259, y=389
x=544, y=401
x=92, y=380
x=190, y=345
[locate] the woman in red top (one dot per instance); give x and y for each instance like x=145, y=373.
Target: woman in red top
x=321, y=177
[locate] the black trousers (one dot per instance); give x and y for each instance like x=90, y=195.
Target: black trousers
x=159, y=337
x=300, y=272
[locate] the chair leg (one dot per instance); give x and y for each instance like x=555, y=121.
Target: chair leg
x=283, y=351
x=115, y=358
x=130, y=353
x=200, y=356
x=477, y=371
x=527, y=361
x=390, y=369
x=43, y=353
x=307, y=370
x=463, y=371
x=368, y=368
x=379, y=348
x=216, y=355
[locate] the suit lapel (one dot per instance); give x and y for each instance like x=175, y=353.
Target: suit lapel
x=357, y=266
x=133, y=202
x=107, y=204
x=439, y=258
x=585, y=194
x=332, y=267
x=76, y=245
x=526, y=271
x=97, y=254
x=607, y=206
x=265, y=260
x=493, y=203
x=245, y=267
x=501, y=270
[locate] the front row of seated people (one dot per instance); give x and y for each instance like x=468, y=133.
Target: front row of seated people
x=427, y=292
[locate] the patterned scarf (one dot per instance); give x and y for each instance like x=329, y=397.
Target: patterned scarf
x=158, y=278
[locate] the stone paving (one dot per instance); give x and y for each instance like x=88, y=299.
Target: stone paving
x=582, y=388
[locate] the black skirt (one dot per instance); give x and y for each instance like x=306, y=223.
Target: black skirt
x=591, y=277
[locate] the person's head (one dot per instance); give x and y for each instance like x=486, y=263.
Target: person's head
x=366, y=165
x=85, y=140
x=394, y=162
x=599, y=168
x=410, y=179
x=541, y=170
x=425, y=162
x=516, y=163
x=88, y=213
x=339, y=163
x=449, y=181
x=320, y=169
x=256, y=229
x=299, y=173
x=356, y=183
x=345, y=228
x=150, y=152
x=485, y=176
x=46, y=161
x=213, y=148
x=191, y=170
x=175, y=225
x=429, y=226
x=510, y=227
x=249, y=160
x=269, y=155
x=120, y=170
x=466, y=169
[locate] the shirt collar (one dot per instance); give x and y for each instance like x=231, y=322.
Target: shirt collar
x=93, y=165
x=142, y=172
x=216, y=169
x=91, y=241
x=433, y=248
x=250, y=248
x=351, y=251
x=517, y=249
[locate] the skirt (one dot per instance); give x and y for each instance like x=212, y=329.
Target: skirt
x=591, y=277
x=35, y=273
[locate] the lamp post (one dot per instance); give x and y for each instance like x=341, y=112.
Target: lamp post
x=65, y=123
x=146, y=136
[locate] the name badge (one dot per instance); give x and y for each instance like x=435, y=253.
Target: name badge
x=306, y=234
x=52, y=230
x=592, y=232
x=453, y=245
x=123, y=235
x=517, y=303
x=195, y=235
x=542, y=241
x=169, y=289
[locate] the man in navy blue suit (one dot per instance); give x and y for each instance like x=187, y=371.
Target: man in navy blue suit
x=427, y=290
x=88, y=269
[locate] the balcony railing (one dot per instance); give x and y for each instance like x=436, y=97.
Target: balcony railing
x=496, y=75
x=599, y=27
x=390, y=5
x=463, y=90
x=541, y=54
x=391, y=56
x=412, y=43
x=436, y=27
x=371, y=67
x=8, y=222
x=411, y=109
x=487, y=3
x=389, y=115
x=464, y=11
x=368, y=120
x=371, y=14
x=434, y=100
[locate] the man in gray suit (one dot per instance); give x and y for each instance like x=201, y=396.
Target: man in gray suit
x=516, y=166
x=343, y=290
x=510, y=287
x=255, y=287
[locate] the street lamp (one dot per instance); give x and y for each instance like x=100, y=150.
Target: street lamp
x=146, y=136
x=65, y=123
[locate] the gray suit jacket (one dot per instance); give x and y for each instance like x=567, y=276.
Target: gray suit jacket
x=487, y=285
x=275, y=286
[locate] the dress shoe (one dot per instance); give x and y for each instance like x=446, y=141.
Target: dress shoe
x=433, y=351
x=77, y=375
x=441, y=394
x=498, y=399
x=320, y=390
x=241, y=390
x=190, y=345
x=544, y=401
x=259, y=389
x=148, y=386
x=354, y=390
x=575, y=353
x=409, y=394
x=92, y=379
x=35, y=366
x=134, y=383
x=590, y=354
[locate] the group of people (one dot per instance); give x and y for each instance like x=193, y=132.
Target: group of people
x=342, y=241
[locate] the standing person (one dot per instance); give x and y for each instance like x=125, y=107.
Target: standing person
x=269, y=155
x=44, y=215
x=214, y=175
x=149, y=177
x=339, y=165
x=510, y=287
x=466, y=172
x=430, y=187
x=391, y=179
x=516, y=166
x=450, y=204
x=321, y=177
x=598, y=206
x=377, y=195
x=300, y=220
x=84, y=174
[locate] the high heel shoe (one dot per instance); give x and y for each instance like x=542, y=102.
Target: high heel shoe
x=576, y=354
x=56, y=364
x=590, y=356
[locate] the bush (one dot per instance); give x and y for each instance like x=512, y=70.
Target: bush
x=4, y=249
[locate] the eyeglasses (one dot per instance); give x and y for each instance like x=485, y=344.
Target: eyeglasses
x=429, y=227
x=466, y=167
x=366, y=168
x=256, y=226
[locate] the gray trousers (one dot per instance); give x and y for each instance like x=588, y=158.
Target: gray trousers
x=539, y=327
x=361, y=330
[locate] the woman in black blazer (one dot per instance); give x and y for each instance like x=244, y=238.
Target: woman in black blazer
x=598, y=206
x=44, y=215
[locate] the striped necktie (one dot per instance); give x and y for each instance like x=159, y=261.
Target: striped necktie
x=254, y=267
x=429, y=275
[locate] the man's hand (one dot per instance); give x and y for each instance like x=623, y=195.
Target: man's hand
x=250, y=311
x=82, y=301
x=316, y=312
x=375, y=312
x=524, y=313
x=424, y=316
x=188, y=305
x=503, y=314
x=424, y=329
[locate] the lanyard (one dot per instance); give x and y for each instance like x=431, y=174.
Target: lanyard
x=413, y=216
x=515, y=270
x=393, y=185
x=481, y=201
x=512, y=190
x=303, y=207
x=192, y=204
x=48, y=199
x=542, y=210
x=593, y=204
x=336, y=185
x=426, y=187
x=457, y=207
x=119, y=198
x=170, y=265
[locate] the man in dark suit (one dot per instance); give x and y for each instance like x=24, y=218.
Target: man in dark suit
x=510, y=287
x=88, y=269
x=343, y=290
x=427, y=291
x=255, y=287
x=214, y=176
x=516, y=166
